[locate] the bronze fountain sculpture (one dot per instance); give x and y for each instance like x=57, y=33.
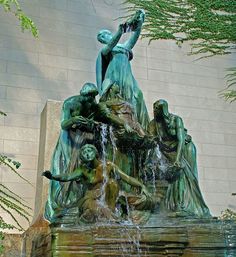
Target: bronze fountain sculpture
x=113, y=168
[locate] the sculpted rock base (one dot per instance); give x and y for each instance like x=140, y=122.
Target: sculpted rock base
x=172, y=238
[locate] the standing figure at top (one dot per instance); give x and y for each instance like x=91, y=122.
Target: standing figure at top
x=113, y=65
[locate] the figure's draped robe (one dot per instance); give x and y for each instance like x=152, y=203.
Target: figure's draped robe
x=115, y=68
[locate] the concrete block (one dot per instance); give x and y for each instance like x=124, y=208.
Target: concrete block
x=18, y=80
x=206, y=114
x=52, y=85
x=140, y=62
x=194, y=68
x=84, y=42
x=81, y=30
x=28, y=45
x=215, y=186
x=50, y=129
x=82, y=65
x=15, y=106
x=231, y=162
x=139, y=51
x=55, y=48
x=22, y=120
x=219, y=150
x=55, y=4
x=3, y=66
x=230, y=139
x=213, y=161
x=83, y=53
x=3, y=91
x=53, y=61
x=1, y=146
x=13, y=147
x=156, y=64
x=53, y=73
x=231, y=174
x=207, y=137
x=217, y=198
x=216, y=174
x=54, y=37
x=24, y=134
x=28, y=162
x=23, y=189
x=9, y=177
x=139, y=73
x=216, y=210
x=232, y=188
x=18, y=56
x=23, y=69
x=76, y=75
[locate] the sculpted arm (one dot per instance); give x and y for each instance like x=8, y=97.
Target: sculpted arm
x=129, y=44
x=114, y=41
x=75, y=175
x=181, y=138
x=68, y=121
x=130, y=180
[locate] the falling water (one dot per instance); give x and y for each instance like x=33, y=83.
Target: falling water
x=162, y=164
x=104, y=133
x=152, y=167
x=113, y=142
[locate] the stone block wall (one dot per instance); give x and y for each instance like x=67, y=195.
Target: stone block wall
x=57, y=64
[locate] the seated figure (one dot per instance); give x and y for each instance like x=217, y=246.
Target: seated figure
x=102, y=192
x=183, y=194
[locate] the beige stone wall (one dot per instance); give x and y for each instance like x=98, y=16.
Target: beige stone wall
x=57, y=64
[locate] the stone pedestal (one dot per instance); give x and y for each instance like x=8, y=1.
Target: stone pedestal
x=167, y=238
x=49, y=133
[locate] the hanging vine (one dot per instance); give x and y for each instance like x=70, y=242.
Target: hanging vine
x=210, y=26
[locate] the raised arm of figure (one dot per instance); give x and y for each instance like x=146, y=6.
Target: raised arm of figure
x=114, y=40
x=129, y=44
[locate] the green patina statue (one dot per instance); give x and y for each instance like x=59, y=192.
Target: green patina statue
x=108, y=150
x=183, y=195
x=113, y=65
x=77, y=129
x=91, y=173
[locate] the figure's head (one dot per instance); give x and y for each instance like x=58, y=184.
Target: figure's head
x=89, y=89
x=104, y=36
x=88, y=153
x=160, y=108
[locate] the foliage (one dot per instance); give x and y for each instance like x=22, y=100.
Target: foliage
x=10, y=202
x=26, y=23
x=210, y=26
x=228, y=215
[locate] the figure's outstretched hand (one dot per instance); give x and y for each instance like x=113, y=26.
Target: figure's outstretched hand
x=47, y=174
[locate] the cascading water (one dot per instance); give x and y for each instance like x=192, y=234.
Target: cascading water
x=113, y=143
x=104, y=132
